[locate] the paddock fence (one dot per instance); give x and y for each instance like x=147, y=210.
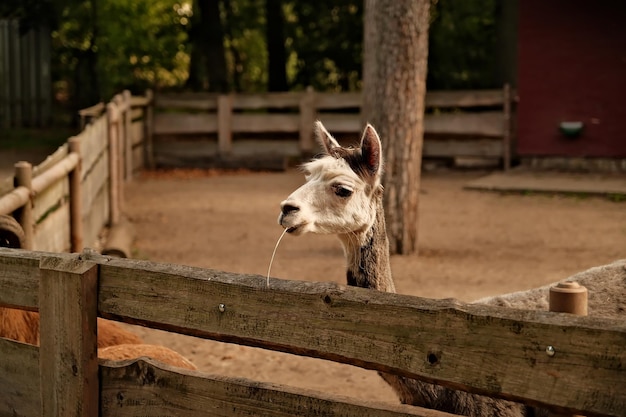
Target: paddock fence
x=457, y=124
x=495, y=351
x=65, y=202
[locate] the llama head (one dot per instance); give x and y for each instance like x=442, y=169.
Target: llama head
x=338, y=195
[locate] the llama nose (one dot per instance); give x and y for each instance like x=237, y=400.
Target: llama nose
x=288, y=208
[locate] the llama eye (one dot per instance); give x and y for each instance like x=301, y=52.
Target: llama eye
x=342, y=191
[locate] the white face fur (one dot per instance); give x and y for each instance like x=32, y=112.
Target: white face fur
x=334, y=199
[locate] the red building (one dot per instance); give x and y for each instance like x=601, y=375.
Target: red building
x=571, y=68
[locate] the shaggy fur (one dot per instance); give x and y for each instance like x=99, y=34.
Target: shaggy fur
x=132, y=351
x=359, y=222
x=23, y=326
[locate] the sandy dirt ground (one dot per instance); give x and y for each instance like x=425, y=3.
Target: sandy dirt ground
x=472, y=244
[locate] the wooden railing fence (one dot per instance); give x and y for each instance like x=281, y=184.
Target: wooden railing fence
x=457, y=123
x=65, y=202
x=495, y=351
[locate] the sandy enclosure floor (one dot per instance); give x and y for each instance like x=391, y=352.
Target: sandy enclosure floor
x=472, y=244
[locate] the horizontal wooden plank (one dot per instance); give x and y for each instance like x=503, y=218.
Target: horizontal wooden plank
x=453, y=147
x=189, y=101
x=93, y=111
x=182, y=123
x=341, y=123
x=19, y=379
x=266, y=101
x=475, y=124
x=137, y=114
x=464, y=98
x=139, y=101
x=263, y=123
x=488, y=350
x=191, y=393
x=481, y=349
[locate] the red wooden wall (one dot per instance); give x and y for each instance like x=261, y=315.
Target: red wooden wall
x=572, y=67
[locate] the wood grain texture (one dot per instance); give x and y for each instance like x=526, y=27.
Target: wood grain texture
x=68, y=354
x=489, y=350
x=481, y=349
x=19, y=379
x=144, y=387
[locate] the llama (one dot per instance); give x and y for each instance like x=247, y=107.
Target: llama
x=23, y=326
x=343, y=195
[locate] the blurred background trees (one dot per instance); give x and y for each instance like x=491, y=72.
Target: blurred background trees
x=100, y=47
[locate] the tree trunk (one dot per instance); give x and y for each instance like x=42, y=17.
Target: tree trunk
x=277, y=59
x=394, y=94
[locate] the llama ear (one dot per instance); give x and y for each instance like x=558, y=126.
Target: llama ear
x=324, y=138
x=371, y=149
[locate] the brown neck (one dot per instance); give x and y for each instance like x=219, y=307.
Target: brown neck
x=367, y=254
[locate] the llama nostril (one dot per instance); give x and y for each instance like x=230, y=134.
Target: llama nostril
x=288, y=208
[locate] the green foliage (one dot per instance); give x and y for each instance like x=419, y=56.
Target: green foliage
x=462, y=45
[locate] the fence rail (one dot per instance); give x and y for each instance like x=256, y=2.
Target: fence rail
x=494, y=351
x=60, y=215
x=457, y=123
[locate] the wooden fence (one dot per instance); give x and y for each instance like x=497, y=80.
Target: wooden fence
x=489, y=350
x=65, y=202
x=457, y=123
x=25, y=83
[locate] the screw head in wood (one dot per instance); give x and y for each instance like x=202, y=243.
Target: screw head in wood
x=222, y=307
x=550, y=351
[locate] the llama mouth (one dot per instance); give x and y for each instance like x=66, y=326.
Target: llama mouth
x=292, y=229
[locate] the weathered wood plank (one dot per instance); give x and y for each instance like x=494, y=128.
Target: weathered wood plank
x=188, y=101
x=143, y=387
x=476, y=124
x=464, y=98
x=137, y=132
x=68, y=355
x=266, y=101
x=261, y=123
x=19, y=278
x=485, y=147
x=481, y=349
x=19, y=379
x=329, y=101
x=181, y=123
x=52, y=234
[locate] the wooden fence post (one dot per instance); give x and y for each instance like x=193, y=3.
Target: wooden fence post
x=24, y=215
x=114, y=180
x=224, y=124
x=76, y=210
x=307, y=118
x=148, y=129
x=68, y=361
x=128, y=140
x=568, y=297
